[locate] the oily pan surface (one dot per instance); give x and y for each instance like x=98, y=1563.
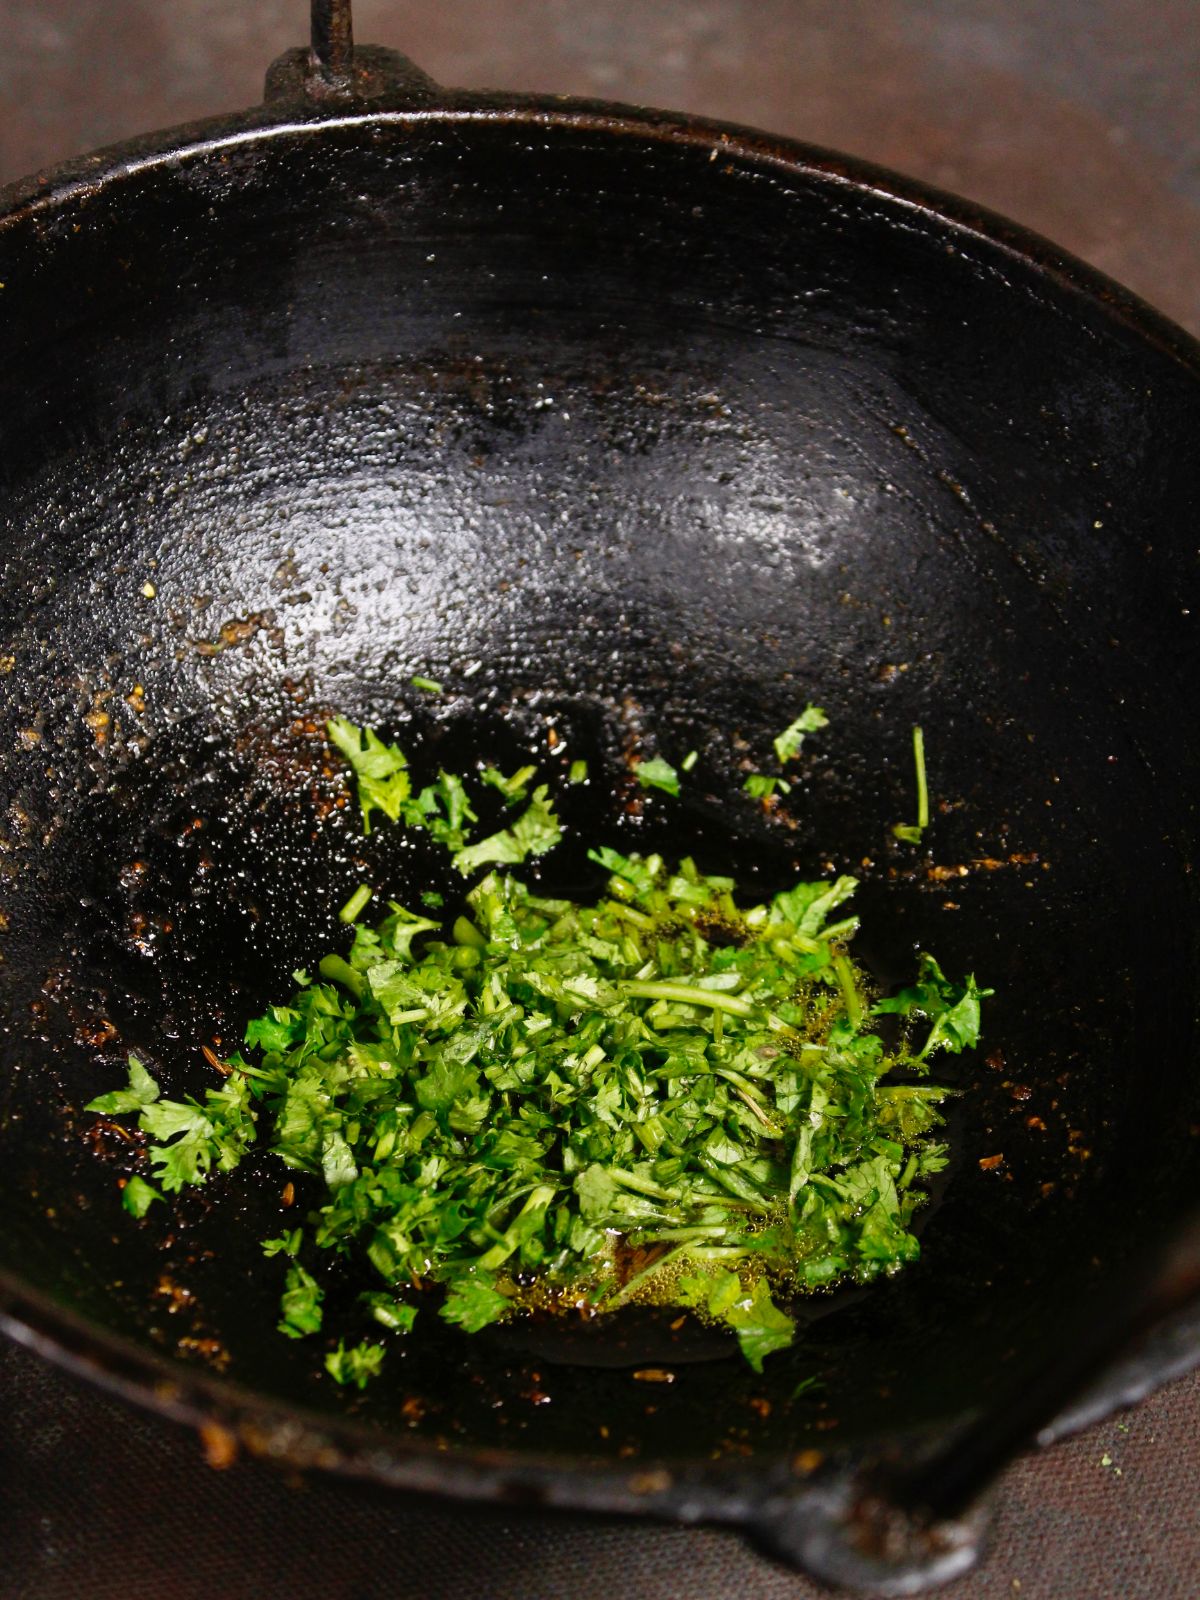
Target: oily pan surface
x=649, y=450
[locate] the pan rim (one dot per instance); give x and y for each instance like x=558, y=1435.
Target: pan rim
x=84, y=177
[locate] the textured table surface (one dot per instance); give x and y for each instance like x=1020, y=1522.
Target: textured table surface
x=1079, y=119
x=100, y=1503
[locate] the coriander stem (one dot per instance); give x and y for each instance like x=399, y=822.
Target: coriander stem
x=340, y=971
x=753, y=1104
x=466, y=933
x=651, y=1190
x=686, y=994
x=845, y=977
x=738, y=1081
x=356, y=903
x=628, y=914
x=911, y=832
x=716, y=1252
x=539, y=1198
x=729, y=1179
x=686, y=1234
x=918, y=737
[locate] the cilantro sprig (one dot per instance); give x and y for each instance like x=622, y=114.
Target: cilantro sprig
x=443, y=808
x=787, y=744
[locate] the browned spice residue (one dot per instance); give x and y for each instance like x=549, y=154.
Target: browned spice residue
x=177, y=1297
x=210, y=1350
x=238, y=630
x=102, y=1128
x=97, y=1032
x=652, y=1481
x=219, y=1445
x=1018, y=858
x=214, y=1060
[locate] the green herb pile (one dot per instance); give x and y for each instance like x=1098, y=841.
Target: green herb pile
x=664, y=1097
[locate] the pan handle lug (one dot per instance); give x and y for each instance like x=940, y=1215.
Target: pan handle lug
x=332, y=39
x=335, y=72
x=855, y=1539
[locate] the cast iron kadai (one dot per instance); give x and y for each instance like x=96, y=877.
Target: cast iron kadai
x=635, y=427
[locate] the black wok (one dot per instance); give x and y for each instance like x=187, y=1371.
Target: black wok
x=638, y=433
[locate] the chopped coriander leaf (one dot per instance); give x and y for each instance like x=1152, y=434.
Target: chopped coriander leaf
x=356, y=904
x=195, y=1137
x=578, y=772
x=952, y=1008
x=142, y=1091
x=389, y=1312
x=689, y=761
x=357, y=1365
x=911, y=833
x=474, y=1301
x=429, y=684
x=514, y=788
x=759, y=786
x=657, y=774
x=300, y=1305
x=432, y=899
x=788, y=743
x=287, y=1244
x=631, y=876
x=380, y=770
x=720, y=1296
x=138, y=1196
x=760, y=1325
x=534, y=832
x=441, y=809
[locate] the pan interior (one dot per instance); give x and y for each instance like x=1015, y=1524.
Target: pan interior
x=644, y=450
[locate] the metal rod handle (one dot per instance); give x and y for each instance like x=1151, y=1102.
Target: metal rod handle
x=332, y=37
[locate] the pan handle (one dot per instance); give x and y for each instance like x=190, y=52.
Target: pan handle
x=896, y=1527
x=332, y=38
x=335, y=72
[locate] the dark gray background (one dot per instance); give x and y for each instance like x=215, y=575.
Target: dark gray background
x=1079, y=119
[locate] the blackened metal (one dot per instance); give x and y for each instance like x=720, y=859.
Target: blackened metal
x=1094, y=1331
x=333, y=70
x=374, y=74
x=631, y=427
x=332, y=38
